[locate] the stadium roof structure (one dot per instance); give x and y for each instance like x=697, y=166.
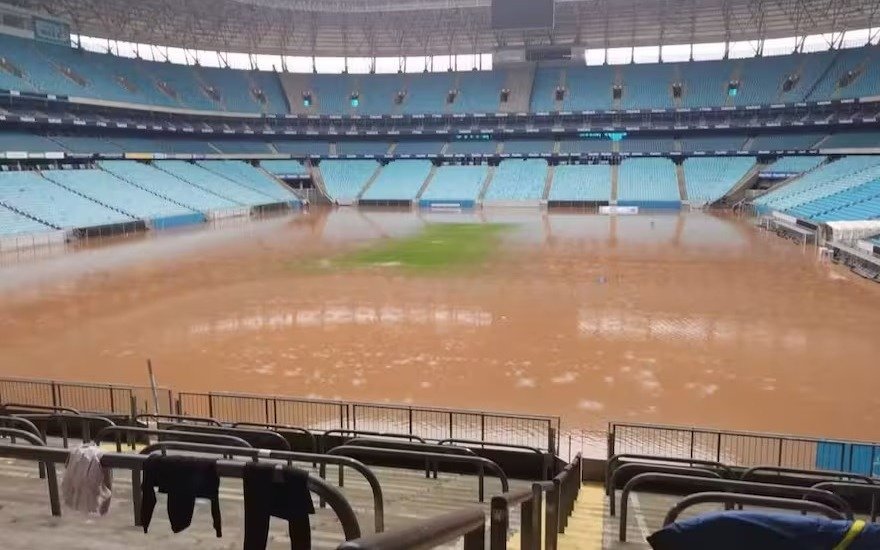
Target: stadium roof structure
x=375, y=28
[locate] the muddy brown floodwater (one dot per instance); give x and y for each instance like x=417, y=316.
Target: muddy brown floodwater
x=693, y=319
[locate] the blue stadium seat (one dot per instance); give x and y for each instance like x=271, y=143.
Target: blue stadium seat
x=581, y=182
x=518, y=180
x=456, y=183
x=648, y=182
x=710, y=178
x=400, y=180
x=344, y=179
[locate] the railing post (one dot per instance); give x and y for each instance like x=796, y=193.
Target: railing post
x=266, y=408
x=353, y=415
x=410, y=421
x=112, y=400
x=551, y=438
x=718, y=448
x=779, y=457
x=476, y=539
x=482, y=427
x=54, y=394
x=537, y=511
x=275, y=411
x=499, y=524
x=693, y=434
x=210, y=405
x=551, y=517
x=450, y=425
x=527, y=536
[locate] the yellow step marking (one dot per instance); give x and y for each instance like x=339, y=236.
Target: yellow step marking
x=585, y=526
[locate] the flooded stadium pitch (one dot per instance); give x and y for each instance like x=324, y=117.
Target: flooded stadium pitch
x=693, y=319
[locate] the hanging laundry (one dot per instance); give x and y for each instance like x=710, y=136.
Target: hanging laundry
x=282, y=492
x=183, y=479
x=87, y=486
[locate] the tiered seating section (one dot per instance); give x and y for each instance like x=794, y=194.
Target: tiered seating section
x=648, y=183
x=344, y=179
x=709, y=179
x=399, y=181
x=846, y=189
x=116, y=192
x=795, y=165
x=65, y=71
x=459, y=184
x=581, y=183
x=518, y=181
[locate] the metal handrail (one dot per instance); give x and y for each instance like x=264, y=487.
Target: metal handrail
x=437, y=457
x=745, y=487
x=693, y=471
x=468, y=523
x=289, y=457
x=410, y=446
x=63, y=417
x=31, y=427
x=613, y=461
x=51, y=476
x=500, y=518
x=225, y=468
x=812, y=473
x=343, y=432
x=24, y=407
x=873, y=490
x=116, y=431
x=453, y=441
x=237, y=432
x=734, y=498
x=280, y=428
x=160, y=417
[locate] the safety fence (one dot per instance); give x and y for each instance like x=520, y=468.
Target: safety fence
x=99, y=398
x=427, y=422
x=745, y=449
x=314, y=414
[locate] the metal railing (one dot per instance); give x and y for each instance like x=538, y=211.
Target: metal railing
x=256, y=437
x=635, y=468
x=616, y=461
x=821, y=474
x=131, y=432
x=735, y=448
x=469, y=524
x=64, y=419
x=47, y=468
x=500, y=518
x=225, y=468
x=872, y=490
x=289, y=457
x=431, y=458
x=755, y=500
x=98, y=398
x=746, y=487
x=427, y=422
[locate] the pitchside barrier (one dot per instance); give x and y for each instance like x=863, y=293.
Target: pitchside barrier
x=313, y=414
x=734, y=448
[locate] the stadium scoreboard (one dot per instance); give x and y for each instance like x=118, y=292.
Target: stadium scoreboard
x=522, y=14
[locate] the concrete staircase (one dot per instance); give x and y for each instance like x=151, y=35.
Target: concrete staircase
x=682, y=184
x=486, y=183
x=427, y=182
x=26, y=521
x=519, y=81
x=548, y=183
x=585, y=526
x=370, y=181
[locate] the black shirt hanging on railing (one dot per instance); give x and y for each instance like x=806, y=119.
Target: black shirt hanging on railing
x=282, y=492
x=183, y=479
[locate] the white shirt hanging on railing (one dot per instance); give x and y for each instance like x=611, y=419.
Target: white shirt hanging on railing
x=87, y=486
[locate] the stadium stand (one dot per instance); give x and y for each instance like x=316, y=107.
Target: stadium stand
x=647, y=145
x=581, y=183
x=795, y=165
x=241, y=146
x=546, y=81
x=518, y=180
x=709, y=179
x=456, y=183
x=344, y=179
x=471, y=147
x=295, y=147
x=284, y=168
x=105, y=188
x=646, y=86
x=828, y=179
x=588, y=88
x=165, y=145
x=399, y=180
x=376, y=93
x=427, y=93
x=528, y=146
x=13, y=223
x=786, y=142
x=362, y=147
x=211, y=182
x=704, y=83
x=648, y=183
x=479, y=91
x=26, y=142
x=167, y=186
x=712, y=143
x=43, y=200
x=419, y=147
x=580, y=146
x=86, y=144
x=852, y=139
x=861, y=62
x=246, y=175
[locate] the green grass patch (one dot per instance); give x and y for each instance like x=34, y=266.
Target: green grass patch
x=440, y=246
